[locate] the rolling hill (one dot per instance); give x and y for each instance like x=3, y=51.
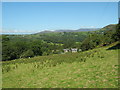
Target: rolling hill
x=97, y=68
x=65, y=30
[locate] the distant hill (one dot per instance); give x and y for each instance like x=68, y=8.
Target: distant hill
x=88, y=29
x=108, y=28
x=78, y=30
x=104, y=29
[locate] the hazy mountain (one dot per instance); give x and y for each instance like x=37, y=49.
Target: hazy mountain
x=106, y=28
x=65, y=30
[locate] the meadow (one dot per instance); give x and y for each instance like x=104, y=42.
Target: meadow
x=97, y=68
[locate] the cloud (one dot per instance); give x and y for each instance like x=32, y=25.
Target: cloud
x=87, y=27
x=92, y=26
x=16, y=31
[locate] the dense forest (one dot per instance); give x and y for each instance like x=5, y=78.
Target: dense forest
x=24, y=46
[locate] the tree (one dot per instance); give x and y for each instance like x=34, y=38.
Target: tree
x=28, y=53
x=118, y=31
x=5, y=38
x=36, y=47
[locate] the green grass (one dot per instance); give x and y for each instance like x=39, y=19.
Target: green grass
x=97, y=68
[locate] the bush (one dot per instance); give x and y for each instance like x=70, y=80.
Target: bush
x=28, y=53
x=44, y=54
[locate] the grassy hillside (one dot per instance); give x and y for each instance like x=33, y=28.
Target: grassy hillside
x=97, y=68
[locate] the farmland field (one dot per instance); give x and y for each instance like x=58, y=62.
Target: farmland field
x=97, y=68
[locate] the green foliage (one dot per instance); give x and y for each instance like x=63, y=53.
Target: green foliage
x=28, y=53
x=103, y=37
x=36, y=47
x=13, y=50
x=5, y=38
x=116, y=36
x=62, y=37
x=16, y=46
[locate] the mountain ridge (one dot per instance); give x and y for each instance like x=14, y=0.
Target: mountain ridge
x=68, y=30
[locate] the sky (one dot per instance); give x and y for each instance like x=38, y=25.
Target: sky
x=32, y=17
x=119, y=9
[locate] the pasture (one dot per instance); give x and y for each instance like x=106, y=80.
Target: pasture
x=97, y=68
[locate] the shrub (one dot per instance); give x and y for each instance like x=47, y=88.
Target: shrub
x=28, y=53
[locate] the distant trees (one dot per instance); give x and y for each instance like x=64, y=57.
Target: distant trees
x=24, y=47
x=103, y=38
x=18, y=46
x=28, y=53
x=116, y=36
x=36, y=47
x=91, y=41
x=12, y=49
x=64, y=37
x=5, y=38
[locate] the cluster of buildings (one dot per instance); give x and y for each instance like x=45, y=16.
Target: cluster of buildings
x=71, y=50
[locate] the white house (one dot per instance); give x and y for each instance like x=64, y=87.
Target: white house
x=74, y=50
x=70, y=50
x=66, y=50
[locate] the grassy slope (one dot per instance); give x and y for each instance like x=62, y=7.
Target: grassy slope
x=91, y=69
